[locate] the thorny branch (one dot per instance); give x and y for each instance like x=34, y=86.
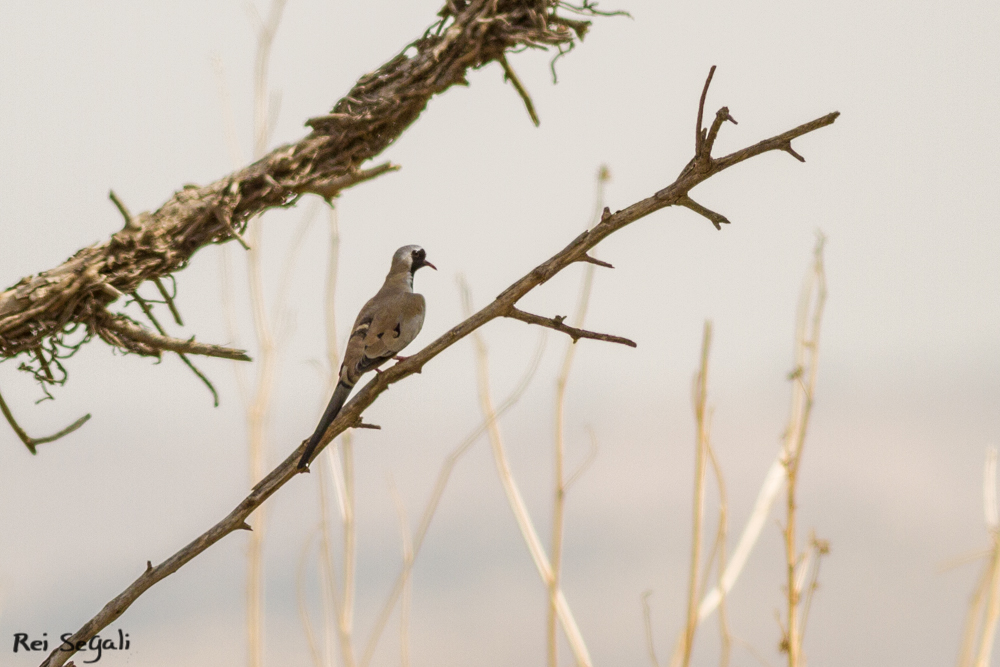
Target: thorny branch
x=360, y=126
x=698, y=170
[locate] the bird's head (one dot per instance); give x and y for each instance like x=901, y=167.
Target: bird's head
x=409, y=258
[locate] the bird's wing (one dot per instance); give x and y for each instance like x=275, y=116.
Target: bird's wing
x=385, y=326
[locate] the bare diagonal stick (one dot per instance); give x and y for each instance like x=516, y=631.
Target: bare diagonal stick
x=671, y=195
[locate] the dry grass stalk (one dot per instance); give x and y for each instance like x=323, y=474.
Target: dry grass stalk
x=259, y=412
x=984, y=609
x=810, y=315
x=514, y=499
x=702, y=167
x=341, y=469
x=725, y=637
x=647, y=622
x=300, y=599
x=698, y=505
x=407, y=544
x=560, y=483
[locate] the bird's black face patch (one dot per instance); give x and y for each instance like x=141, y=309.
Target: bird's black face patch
x=418, y=258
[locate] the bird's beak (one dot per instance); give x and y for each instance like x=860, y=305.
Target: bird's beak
x=426, y=263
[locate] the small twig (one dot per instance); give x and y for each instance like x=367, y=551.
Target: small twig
x=170, y=301
x=224, y=219
x=702, y=417
x=820, y=548
x=698, y=132
x=721, y=116
x=149, y=313
x=30, y=442
x=788, y=149
x=330, y=188
x=111, y=291
x=592, y=260
x=590, y=9
x=129, y=222
x=136, y=333
x=717, y=218
x=511, y=76
x=40, y=356
x=361, y=424
x=557, y=324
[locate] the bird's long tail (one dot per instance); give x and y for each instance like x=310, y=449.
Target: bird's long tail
x=340, y=395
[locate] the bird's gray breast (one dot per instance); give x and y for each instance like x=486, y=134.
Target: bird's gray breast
x=412, y=320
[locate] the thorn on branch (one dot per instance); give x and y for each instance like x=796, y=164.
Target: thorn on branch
x=111, y=291
x=721, y=116
x=330, y=188
x=360, y=424
x=244, y=526
x=788, y=149
x=225, y=220
x=605, y=214
x=511, y=76
x=699, y=133
x=149, y=566
x=557, y=324
x=129, y=222
x=717, y=219
x=591, y=260
x=32, y=443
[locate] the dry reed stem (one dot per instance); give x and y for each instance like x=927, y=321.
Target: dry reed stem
x=330, y=597
x=698, y=170
x=803, y=377
x=774, y=481
x=984, y=608
x=700, y=397
x=513, y=493
x=437, y=491
x=407, y=545
x=725, y=637
x=342, y=470
x=560, y=483
x=258, y=414
x=817, y=550
x=300, y=599
x=647, y=622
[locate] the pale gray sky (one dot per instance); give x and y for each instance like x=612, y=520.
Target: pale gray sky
x=102, y=95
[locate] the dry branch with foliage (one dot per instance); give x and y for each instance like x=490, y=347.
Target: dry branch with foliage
x=41, y=313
